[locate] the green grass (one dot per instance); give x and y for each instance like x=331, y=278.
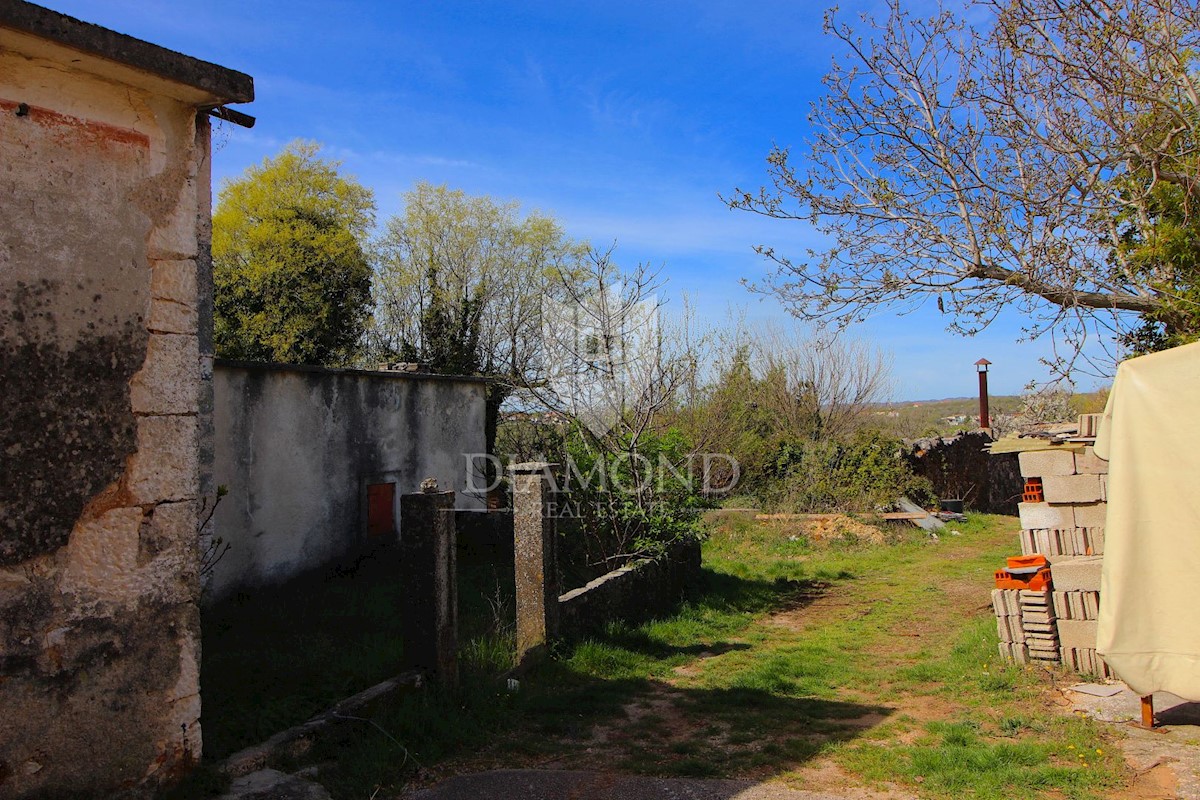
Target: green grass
x=275, y=658
x=881, y=659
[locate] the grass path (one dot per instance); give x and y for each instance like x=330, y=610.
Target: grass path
x=846, y=666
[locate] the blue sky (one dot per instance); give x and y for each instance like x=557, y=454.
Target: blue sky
x=623, y=120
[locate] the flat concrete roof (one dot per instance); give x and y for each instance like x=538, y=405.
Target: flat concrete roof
x=225, y=85
x=267, y=366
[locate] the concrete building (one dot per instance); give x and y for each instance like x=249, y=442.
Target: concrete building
x=315, y=461
x=105, y=353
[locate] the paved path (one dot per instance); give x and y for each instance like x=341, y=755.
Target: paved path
x=530, y=784
x=1165, y=760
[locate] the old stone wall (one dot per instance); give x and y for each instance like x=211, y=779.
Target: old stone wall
x=105, y=202
x=639, y=591
x=959, y=467
x=297, y=448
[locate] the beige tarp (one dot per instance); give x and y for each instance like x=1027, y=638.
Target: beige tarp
x=1150, y=588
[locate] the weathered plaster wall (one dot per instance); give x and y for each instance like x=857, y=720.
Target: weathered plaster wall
x=296, y=448
x=103, y=189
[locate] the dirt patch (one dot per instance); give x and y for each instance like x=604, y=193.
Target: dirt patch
x=1157, y=783
x=823, y=775
x=827, y=528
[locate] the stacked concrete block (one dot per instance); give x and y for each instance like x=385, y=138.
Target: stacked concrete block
x=1062, y=542
x=1007, y=605
x=1074, y=485
x=1087, y=661
x=1077, y=605
x=1068, y=528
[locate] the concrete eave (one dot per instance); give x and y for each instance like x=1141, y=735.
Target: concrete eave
x=262, y=366
x=40, y=32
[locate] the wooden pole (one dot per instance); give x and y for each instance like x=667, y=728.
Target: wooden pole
x=1148, y=711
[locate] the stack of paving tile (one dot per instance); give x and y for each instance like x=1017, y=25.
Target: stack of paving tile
x=1038, y=621
x=1025, y=621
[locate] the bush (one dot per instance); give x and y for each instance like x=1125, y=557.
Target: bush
x=865, y=473
x=634, y=501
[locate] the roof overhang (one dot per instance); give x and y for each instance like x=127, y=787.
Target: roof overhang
x=40, y=32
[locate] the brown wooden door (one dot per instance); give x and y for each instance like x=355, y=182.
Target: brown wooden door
x=381, y=518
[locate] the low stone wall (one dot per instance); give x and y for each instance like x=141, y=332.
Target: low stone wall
x=633, y=593
x=959, y=467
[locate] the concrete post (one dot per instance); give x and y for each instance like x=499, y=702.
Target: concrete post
x=536, y=557
x=429, y=572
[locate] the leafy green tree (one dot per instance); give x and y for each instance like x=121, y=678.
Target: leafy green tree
x=290, y=266
x=1163, y=247
x=460, y=286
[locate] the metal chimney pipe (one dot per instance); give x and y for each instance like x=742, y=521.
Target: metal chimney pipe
x=985, y=420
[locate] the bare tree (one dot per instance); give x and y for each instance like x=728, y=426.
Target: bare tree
x=833, y=380
x=1006, y=164
x=615, y=363
x=613, y=358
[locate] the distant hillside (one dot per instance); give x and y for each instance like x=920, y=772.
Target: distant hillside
x=913, y=419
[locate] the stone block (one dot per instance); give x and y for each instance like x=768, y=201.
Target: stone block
x=1086, y=661
x=1078, y=574
x=999, y=604
x=1088, y=463
x=1002, y=629
x=1062, y=605
x=166, y=465
x=167, y=316
x=1079, y=605
x=174, y=236
x=102, y=555
x=1089, y=425
x=1104, y=488
x=1012, y=602
x=1043, y=616
x=1044, y=516
x=169, y=380
x=1040, y=463
x=170, y=530
x=1079, y=633
x=1091, y=515
x=1071, y=489
x=535, y=535
x=175, y=281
